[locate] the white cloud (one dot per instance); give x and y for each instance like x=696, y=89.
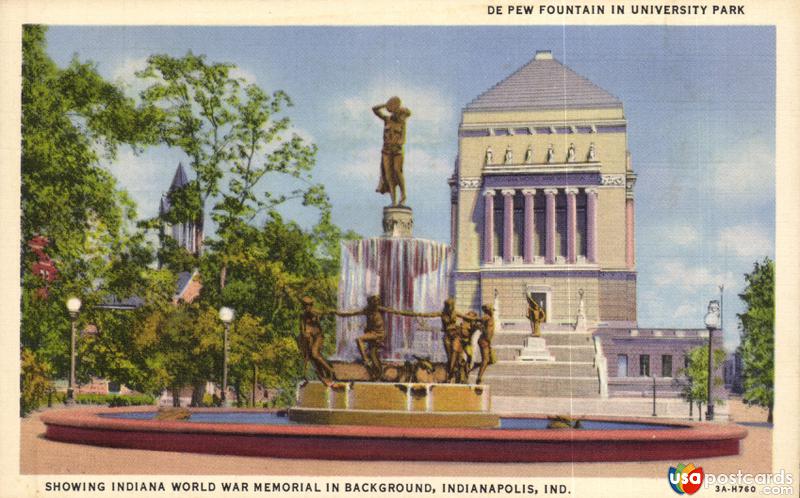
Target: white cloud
x=679, y=235
x=144, y=177
x=679, y=274
x=743, y=170
x=431, y=120
x=688, y=310
x=419, y=166
x=125, y=74
x=248, y=77
x=746, y=241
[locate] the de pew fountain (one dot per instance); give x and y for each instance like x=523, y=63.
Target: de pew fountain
x=392, y=402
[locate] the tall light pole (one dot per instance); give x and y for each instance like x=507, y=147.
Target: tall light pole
x=73, y=306
x=721, y=307
x=712, y=321
x=226, y=315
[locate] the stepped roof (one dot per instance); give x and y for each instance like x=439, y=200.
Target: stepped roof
x=543, y=83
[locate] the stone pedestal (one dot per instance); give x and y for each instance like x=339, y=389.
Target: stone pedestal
x=394, y=404
x=535, y=350
x=398, y=221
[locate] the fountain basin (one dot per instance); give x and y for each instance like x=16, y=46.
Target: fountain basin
x=665, y=440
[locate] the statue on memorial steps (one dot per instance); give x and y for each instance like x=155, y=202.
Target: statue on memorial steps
x=394, y=118
x=536, y=315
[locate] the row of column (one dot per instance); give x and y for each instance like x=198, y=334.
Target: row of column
x=550, y=224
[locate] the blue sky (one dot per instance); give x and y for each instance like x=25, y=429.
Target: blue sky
x=700, y=104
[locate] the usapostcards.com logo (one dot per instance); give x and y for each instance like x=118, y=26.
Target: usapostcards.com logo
x=685, y=478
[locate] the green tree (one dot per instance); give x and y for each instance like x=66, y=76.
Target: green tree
x=235, y=135
x=694, y=378
x=757, y=326
x=268, y=272
x=225, y=127
x=181, y=346
x=72, y=124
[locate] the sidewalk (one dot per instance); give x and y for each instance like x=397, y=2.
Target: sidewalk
x=672, y=408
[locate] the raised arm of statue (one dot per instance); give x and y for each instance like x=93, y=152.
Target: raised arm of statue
x=378, y=111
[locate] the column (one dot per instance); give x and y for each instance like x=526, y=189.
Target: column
x=591, y=225
x=550, y=229
x=630, y=257
x=488, y=226
x=530, y=227
x=572, y=223
x=508, y=224
x=453, y=215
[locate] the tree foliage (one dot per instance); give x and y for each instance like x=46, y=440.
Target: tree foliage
x=234, y=135
x=72, y=123
x=694, y=381
x=757, y=326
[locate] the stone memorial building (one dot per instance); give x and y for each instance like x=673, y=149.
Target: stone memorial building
x=542, y=205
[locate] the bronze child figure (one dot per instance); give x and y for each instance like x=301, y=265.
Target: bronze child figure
x=310, y=341
x=370, y=342
x=485, y=340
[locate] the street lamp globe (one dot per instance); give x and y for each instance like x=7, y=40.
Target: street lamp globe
x=73, y=305
x=226, y=314
x=712, y=319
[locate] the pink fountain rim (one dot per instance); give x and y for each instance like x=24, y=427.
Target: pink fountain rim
x=90, y=418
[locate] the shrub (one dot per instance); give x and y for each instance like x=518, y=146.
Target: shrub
x=35, y=384
x=115, y=400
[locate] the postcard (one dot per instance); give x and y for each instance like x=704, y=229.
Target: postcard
x=394, y=249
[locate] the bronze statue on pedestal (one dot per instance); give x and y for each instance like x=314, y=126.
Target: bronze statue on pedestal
x=394, y=137
x=536, y=315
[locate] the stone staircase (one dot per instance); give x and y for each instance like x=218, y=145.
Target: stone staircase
x=572, y=374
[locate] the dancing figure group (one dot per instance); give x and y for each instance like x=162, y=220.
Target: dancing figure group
x=459, y=331
x=458, y=338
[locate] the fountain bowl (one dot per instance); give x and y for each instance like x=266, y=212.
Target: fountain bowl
x=130, y=427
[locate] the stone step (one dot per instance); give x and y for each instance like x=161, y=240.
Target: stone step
x=524, y=326
x=553, y=339
x=514, y=385
x=506, y=353
x=543, y=369
x=509, y=339
x=568, y=339
x=572, y=353
x=561, y=353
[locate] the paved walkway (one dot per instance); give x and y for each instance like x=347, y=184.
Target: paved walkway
x=672, y=408
x=40, y=456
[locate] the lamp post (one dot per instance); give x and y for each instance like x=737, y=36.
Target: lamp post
x=654, y=396
x=73, y=306
x=712, y=321
x=226, y=315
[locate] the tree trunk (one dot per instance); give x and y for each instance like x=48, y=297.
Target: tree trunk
x=255, y=382
x=198, y=392
x=176, y=397
x=223, y=275
x=769, y=414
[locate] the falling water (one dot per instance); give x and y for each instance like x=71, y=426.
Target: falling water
x=408, y=274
